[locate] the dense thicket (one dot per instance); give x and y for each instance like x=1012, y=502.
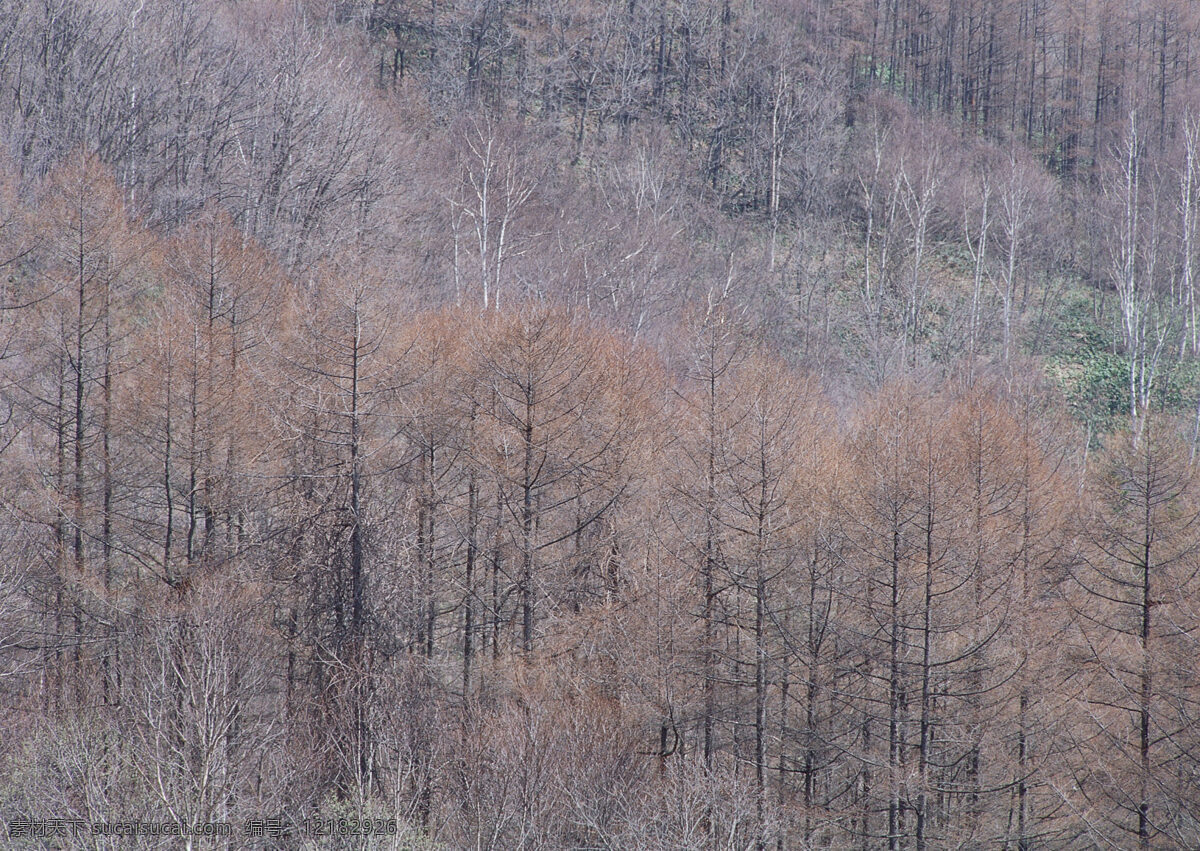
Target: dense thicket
x=627, y=425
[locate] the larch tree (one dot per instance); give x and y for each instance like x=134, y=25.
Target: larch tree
x=85, y=277
x=773, y=458
x=340, y=372
x=558, y=421
x=1138, y=622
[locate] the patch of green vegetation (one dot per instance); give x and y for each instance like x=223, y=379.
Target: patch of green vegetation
x=1074, y=330
x=1083, y=360
x=1178, y=388
x=887, y=76
x=1095, y=384
x=957, y=259
x=1080, y=358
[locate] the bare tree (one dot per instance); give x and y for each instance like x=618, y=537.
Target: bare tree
x=1136, y=617
x=1134, y=251
x=493, y=187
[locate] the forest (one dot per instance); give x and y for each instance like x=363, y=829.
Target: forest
x=600, y=424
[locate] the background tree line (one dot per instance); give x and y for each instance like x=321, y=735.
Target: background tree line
x=602, y=424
